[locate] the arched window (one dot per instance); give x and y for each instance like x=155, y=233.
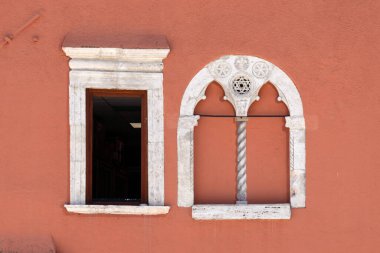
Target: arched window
x=241, y=78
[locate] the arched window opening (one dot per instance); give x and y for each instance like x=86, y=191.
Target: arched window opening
x=214, y=178
x=267, y=149
x=242, y=77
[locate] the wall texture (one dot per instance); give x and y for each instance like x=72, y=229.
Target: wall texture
x=329, y=49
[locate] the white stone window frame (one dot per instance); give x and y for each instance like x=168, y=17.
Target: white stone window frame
x=259, y=71
x=117, y=69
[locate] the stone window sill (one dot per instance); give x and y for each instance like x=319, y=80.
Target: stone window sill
x=242, y=212
x=116, y=209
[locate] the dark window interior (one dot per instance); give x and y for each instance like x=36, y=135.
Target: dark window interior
x=116, y=148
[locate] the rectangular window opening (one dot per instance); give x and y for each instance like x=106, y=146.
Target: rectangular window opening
x=116, y=147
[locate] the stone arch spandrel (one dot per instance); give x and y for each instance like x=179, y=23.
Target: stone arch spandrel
x=195, y=91
x=287, y=90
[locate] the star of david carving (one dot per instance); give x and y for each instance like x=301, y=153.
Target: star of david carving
x=241, y=85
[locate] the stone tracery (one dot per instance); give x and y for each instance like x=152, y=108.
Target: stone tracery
x=249, y=74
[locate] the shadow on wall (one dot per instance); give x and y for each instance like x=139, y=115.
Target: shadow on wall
x=27, y=244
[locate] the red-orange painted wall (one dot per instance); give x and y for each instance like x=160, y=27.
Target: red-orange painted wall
x=329, y=48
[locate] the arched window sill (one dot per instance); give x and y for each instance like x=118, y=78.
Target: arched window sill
x=242, y=212
x=118, y=209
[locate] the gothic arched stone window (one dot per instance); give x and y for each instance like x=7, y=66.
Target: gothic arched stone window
x=241, y=78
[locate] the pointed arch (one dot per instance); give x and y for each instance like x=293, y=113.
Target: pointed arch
x=270, y=102
x=213, y=102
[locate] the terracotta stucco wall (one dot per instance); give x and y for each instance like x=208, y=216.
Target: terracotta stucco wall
x=330, y=50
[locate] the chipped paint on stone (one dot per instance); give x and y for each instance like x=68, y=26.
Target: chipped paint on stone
x=242, y=212
x=117, y=209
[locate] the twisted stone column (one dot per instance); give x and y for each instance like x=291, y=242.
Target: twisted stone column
x=241, y=197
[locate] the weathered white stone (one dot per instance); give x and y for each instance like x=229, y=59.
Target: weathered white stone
x=156, y=173
x=297, y=159
x=295, y=123
x=186, y=171
x=122, y=69
x=115, y=80
x=188, y=122
x=241, y=212
x=241, y=78
x=287, y=91
x=117, y=54
x=297, y=188
x=155, y=115
x=298, y=149
x=124, y=66
x=117, y=209
x=195, y=91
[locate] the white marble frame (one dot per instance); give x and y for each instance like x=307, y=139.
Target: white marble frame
x=119, y=69
x=259, y=71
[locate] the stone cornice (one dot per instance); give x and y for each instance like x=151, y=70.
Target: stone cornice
x=118, y=54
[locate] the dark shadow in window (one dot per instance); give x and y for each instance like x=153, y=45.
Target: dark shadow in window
x=116, y=149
